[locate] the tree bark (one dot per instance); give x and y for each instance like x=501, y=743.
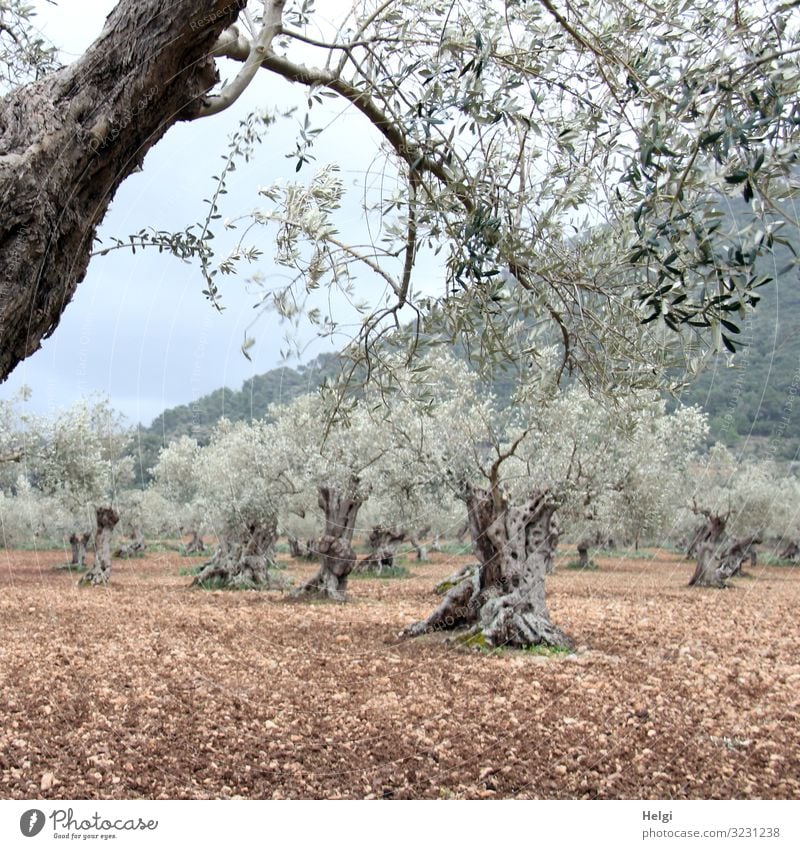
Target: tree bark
x=583, y=555
x=196, y=544
x=698, y=537
x=733, y=557
x=69, y=140
x=78, y=543
x=243, y=560
x=503, y=601
x=137, y=544
x=335, y=546
x=100, y=573
x=707, y=573
x=382, y=543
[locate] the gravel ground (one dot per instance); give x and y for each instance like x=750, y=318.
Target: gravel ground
x=147, y=689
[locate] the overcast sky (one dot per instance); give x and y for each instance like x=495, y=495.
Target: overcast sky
x=139, y=328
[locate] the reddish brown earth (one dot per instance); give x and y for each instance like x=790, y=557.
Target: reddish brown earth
x=150, y=690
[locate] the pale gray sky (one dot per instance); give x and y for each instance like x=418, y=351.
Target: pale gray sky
x=139, y=328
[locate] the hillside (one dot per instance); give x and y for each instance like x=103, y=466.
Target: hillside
x=751, y=398
x=250, y=402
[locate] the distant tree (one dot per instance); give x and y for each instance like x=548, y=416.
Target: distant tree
x=84, y=464
x=649, y=461
x=28, y=517
x=739, y=504
x=15, y=436
x=242, y=485
x=339, y=463
x=176, y=477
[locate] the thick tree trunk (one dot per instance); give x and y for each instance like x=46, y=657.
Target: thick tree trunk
x=790, y=551
x=78, y=543
x=503, y=602
x=382, y=543
x=196, y=544
x=583, y=555
x=707, y=573
x=301, y=550
x=100, y=573
x=335, y=546
x=243, y=560
x=69, y=140
x=415, y=538
x=733, y=557
x=137, y=544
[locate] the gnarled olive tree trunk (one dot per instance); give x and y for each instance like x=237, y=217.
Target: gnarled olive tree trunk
x=734, y=555
x=335, y=546
x=504, y=599
x=136, y=544
x=69, y=140
x=78, y=543
x=244, y=559
x=382, y=543
x=100, y=573
x=196, y=544
x=707, y=573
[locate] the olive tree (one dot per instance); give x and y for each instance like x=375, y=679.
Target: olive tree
x=739, y=502
x=550, y=453
x=340, y=462
x=648, y=459
x=28, y=516
x=242, y=485
x=176, y=477
x=84, y=464
x=514, y=129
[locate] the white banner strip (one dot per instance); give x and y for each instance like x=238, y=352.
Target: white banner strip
x=376, y=825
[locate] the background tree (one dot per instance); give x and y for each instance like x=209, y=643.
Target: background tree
x=176, y=476
x=242, y=485
x=339, y=463
x=633, y=462
x=740, y=503
x=28, y=517
x=84, y=464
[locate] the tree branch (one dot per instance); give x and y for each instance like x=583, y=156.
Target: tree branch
x=271, y=27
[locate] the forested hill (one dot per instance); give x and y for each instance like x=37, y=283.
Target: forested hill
x=753, y=399
x=250, y=402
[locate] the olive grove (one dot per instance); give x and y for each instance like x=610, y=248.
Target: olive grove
x=568, y=166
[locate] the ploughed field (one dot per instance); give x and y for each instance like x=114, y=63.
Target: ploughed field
x=147, y=689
